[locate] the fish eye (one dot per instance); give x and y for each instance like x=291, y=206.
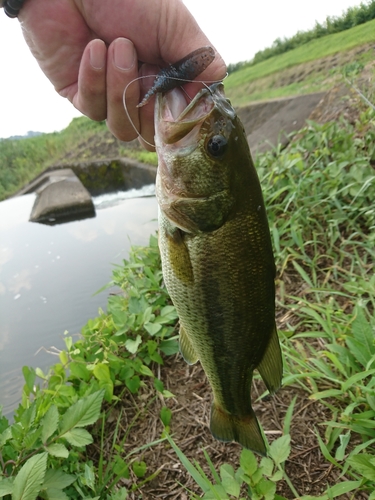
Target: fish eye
x=216, y=146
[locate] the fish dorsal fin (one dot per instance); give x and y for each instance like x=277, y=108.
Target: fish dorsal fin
x=271, y=366
x=186, y=349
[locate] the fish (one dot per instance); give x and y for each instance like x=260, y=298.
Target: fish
x=182, y=71
x=216, y=253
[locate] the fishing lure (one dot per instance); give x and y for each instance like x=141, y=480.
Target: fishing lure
x=186, y=69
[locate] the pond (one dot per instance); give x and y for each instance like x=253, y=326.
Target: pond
x=49, y=276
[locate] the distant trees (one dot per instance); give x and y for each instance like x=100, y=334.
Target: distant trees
x=353, y=16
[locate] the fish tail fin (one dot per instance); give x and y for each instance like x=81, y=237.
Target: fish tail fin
x=271, y=366
x=244, y=430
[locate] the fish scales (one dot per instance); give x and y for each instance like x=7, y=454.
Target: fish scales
x=217, y=255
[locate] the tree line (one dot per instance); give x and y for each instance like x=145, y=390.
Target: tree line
x=353, y=16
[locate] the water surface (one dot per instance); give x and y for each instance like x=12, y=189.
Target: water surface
x=49, y=275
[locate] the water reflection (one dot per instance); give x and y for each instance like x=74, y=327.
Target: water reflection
x=48, y=275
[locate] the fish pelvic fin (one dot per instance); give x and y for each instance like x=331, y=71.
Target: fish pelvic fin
x=271, y=366
x=186, y=349
x=244, y=430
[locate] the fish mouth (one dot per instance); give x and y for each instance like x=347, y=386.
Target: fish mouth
x=178, y=123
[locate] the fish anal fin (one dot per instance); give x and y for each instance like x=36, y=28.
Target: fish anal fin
x=244, y=430
x=186, y=349
x=271, y=366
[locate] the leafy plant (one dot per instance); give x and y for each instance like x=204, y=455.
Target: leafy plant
x=44, y=452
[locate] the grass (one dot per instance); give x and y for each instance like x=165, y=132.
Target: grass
x=316, y=49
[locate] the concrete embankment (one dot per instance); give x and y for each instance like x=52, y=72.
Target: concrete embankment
x=64, y=192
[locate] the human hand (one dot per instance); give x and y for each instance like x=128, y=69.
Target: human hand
x=91, y=50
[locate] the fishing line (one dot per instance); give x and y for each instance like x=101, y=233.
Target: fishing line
x=170, y=78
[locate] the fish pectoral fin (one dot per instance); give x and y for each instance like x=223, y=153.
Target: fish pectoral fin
x=186, y=349
x=244, y=430
x=179, y=258
x=271, y=366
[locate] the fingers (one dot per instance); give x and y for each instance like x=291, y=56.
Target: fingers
x=104, y=74
x=90, y=97
x=122, y=69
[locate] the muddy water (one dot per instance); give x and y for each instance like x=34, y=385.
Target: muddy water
x=49, y=275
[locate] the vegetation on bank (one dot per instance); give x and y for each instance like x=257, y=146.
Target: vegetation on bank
x=21, y=160
x=319, y=195
x=313, y=50
x=353, y=16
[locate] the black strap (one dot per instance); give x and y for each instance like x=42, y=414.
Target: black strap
x=12, y=7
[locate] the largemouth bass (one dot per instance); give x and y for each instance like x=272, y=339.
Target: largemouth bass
x=216, y=252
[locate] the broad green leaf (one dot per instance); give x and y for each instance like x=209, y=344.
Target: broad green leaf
x=363, y=464
x=79, y=370
x=133, y=384
x=145, y=370
x=153, y=328
x=78, y=437
x=280, y=449
x=29, y=480
x=158, y=384
x=169, y=347
x=139, y=468
x=29, y=376
x=108, y=389
x=28, y=416
x=267, y=488
x=58, y=450
x=248, y=462
x=216, y=492
x=228, y=481
x=50, y=423
x=120, y=467
x=101, y=372
x=64, y=358
x=89, y=477
x=359, y=351
x=267, y=466
x=84, y=412
x=132, y=345
x=121, y=494
x=57, y=479
x=56, y=494
x=362, y=331
x=32, y=437
x=6, y=486
x=39, y=372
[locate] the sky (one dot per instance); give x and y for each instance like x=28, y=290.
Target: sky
x=28, y=101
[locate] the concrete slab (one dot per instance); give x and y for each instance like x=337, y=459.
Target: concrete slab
x=269, y=123
x=60, y=198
